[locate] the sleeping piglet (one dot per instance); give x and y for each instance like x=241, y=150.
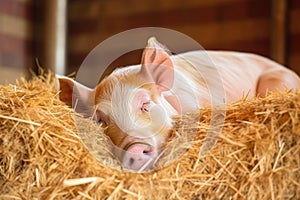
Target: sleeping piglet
x=136, y=103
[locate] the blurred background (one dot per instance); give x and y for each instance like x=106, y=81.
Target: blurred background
x=59, y=34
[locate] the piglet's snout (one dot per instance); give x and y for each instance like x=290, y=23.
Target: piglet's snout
x=139, y=155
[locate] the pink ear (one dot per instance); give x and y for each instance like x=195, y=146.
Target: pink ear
x=66, y=90
x=75, y=94
x=157, y=66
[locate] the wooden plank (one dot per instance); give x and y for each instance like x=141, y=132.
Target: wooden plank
x=15, y=26
x=294, y=16
x=92, y=9
x=9, y=75
x=279, y=29
x=211, y=33
x=17, y=8
x=54, y=40
x=169, y=16
x=294, y=60
x=114, y=8
x=96, y=8
x=14, y=45
x=294, y=52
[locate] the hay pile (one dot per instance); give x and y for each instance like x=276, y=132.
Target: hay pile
x=42, y=156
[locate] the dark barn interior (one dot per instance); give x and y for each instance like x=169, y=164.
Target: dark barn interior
x=60, y=34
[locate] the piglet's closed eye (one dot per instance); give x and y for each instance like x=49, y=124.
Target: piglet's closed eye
x=157, y=66
x=141, y=101
x=101, y=118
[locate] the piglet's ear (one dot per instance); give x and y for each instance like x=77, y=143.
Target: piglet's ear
x=75, y=95
x=157, y=66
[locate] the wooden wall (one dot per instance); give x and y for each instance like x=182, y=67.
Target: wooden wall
x=242, y=25
x=293, y=39
x=16, y=21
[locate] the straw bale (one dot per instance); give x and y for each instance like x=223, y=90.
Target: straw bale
x=43, y=156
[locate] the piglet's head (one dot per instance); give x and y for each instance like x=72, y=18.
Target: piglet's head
x=132, y=105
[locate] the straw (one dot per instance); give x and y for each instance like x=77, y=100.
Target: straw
x=49, y=152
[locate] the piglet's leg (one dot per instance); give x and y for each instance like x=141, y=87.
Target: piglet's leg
x=277, y=79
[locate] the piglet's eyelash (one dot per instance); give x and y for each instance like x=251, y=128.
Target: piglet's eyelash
x=146, y=106
x=102, y=123
x=100, y=118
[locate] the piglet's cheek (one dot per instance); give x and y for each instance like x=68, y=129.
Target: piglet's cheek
x=158, y=121
x=158, y=118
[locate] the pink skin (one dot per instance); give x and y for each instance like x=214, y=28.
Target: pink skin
x=138, y=154
x=177, y=84
x=140, y=148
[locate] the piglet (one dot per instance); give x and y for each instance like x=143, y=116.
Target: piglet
x=136, y=103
